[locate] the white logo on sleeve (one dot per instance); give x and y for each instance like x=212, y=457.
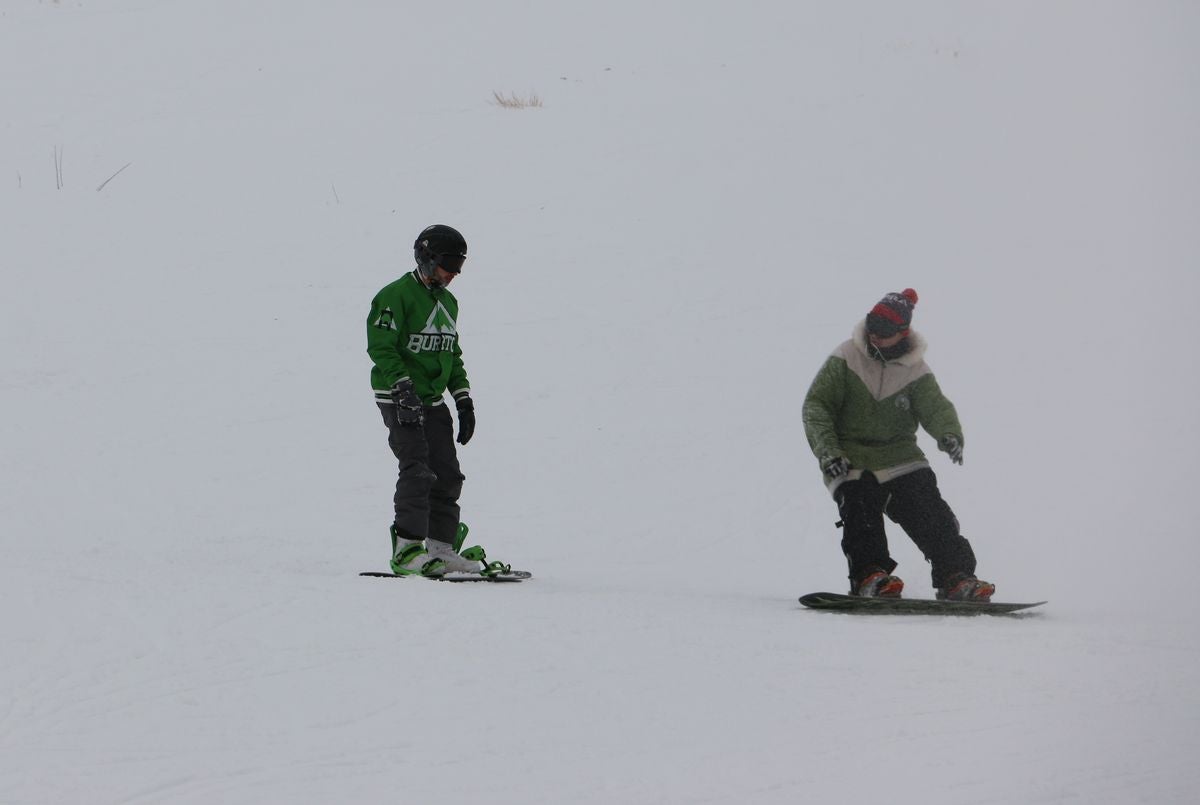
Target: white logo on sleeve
x=386, y=320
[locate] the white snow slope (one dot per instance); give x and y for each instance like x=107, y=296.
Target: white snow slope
x=710, y=196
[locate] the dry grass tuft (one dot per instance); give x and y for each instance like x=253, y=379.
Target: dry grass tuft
x=515, y=101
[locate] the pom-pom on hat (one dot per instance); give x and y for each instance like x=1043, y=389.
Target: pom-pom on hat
x=892, y=314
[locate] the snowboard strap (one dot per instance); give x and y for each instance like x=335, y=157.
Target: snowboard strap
x=476, y=554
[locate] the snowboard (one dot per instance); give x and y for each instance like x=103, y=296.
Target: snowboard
x=837, y=602
x=512, y=575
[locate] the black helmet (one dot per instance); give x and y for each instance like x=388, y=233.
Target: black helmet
x=439, y=245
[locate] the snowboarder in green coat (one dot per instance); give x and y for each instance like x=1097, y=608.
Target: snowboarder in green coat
x=412, y=338
x=861, y=416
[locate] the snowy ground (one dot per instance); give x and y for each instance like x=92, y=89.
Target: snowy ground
x=662, y=254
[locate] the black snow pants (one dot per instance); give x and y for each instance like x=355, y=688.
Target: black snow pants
x=913, y=502
x=430, y=480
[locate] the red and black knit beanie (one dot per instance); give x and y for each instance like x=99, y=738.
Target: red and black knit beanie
x=892, y=314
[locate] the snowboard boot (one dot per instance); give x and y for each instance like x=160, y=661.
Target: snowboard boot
x=879, y=585
x=476, y=554
x=452, y=562
x=965, y=587
x=410, y=558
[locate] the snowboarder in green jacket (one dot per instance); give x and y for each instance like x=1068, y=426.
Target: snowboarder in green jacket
x=412, y=338
x=861, y=416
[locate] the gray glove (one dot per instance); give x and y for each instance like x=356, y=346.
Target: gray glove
x=835, y=466
x=409, y=410
x=951, y=445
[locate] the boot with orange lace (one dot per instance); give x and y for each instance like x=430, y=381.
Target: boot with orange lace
x=965, y=587
x=878, y=584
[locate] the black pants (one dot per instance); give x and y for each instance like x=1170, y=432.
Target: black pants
x=430, y=480
x=914, y=503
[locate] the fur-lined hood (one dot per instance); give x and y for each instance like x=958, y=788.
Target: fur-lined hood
x=911, y=358
x=883, y=378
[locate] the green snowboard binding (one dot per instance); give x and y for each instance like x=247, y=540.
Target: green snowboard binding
x=413, y=559
x=476, y=554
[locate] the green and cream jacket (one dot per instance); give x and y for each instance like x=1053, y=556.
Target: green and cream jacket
x=412, y=332
x=867, y=410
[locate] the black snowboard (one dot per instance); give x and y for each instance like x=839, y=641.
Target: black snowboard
x=837, y=602
x=512, y=575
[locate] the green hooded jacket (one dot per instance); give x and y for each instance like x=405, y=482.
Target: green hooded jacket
x=412, y=331
x=867, y=410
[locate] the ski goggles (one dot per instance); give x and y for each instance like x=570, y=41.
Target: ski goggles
x=879, y=326
x=451, y=262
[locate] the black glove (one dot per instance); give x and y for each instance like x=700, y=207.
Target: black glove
x=466, y=418
x=409, y=410
x=835, y=466
x=952, y=446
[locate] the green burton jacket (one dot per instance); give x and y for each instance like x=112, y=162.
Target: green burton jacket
x=412, y=332
x=868, y=410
